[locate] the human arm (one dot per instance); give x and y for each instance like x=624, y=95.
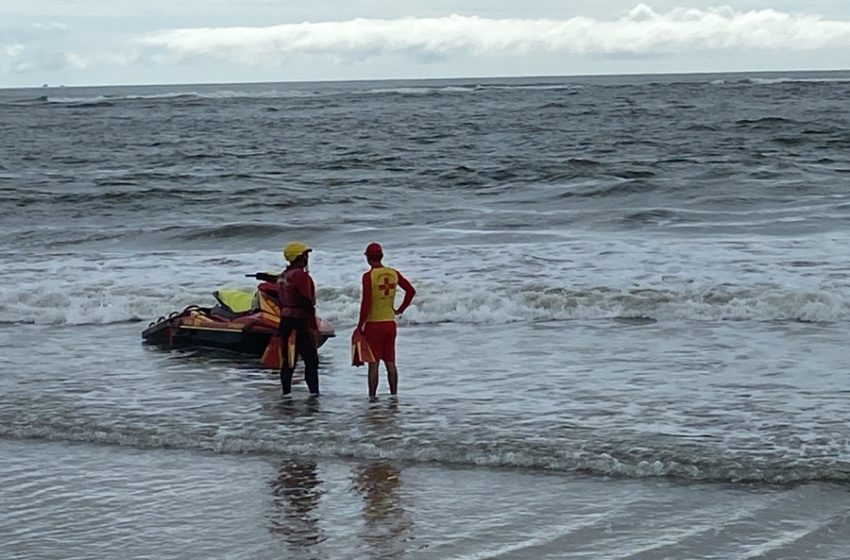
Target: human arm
x=308, y=292
x=409, y=292
x=305, y=289
x=365, y=301
x=297, y=290
x=264, y=276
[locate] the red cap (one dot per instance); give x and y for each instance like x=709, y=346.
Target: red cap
x=374, y=250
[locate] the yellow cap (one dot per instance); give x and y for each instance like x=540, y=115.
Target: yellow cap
x=295, y=250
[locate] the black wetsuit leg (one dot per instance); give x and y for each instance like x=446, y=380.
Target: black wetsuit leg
x=306, y=348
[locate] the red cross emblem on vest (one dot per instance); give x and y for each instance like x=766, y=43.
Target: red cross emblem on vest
x=386, y=286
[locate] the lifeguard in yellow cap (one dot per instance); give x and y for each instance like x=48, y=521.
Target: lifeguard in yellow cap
x=377, y=316
x=297, y=298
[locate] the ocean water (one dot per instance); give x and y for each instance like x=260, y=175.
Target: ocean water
x=629, y=338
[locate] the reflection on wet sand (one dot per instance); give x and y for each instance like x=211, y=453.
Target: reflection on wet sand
x=296, y=492
x=381, y=418
x=387, y=524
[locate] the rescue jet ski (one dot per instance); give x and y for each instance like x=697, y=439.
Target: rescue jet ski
x=242, y=321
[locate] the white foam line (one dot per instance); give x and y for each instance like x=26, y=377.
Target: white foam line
x=541, y=537
x=682, y=535
x=786, y=538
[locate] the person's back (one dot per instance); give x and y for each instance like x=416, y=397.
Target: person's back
x=383, y=281
x=296, y=294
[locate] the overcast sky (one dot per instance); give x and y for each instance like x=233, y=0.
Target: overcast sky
x=100, y=42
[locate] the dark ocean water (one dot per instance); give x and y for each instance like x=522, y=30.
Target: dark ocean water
x=629, y=338
x=693, y=154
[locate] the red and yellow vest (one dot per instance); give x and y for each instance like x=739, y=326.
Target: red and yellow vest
x=384, y=285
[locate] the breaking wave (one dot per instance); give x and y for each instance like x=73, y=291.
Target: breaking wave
x=102, y=302
x=600, y=458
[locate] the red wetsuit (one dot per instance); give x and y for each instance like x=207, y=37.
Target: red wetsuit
x=297, y=297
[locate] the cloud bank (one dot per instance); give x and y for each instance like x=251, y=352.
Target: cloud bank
x=679, y=40
x=641, y=32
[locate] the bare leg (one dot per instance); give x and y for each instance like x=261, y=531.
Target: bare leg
x=392, y=377
x=373, y=381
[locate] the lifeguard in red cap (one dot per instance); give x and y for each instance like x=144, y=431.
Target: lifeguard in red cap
x=377, y=316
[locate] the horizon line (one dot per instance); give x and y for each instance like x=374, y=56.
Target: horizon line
x=414, y=79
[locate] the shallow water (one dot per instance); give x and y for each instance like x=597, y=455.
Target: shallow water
x=628, y=339
x=170, y=503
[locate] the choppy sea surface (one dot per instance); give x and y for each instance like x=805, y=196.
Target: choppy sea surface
x=629, y=338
